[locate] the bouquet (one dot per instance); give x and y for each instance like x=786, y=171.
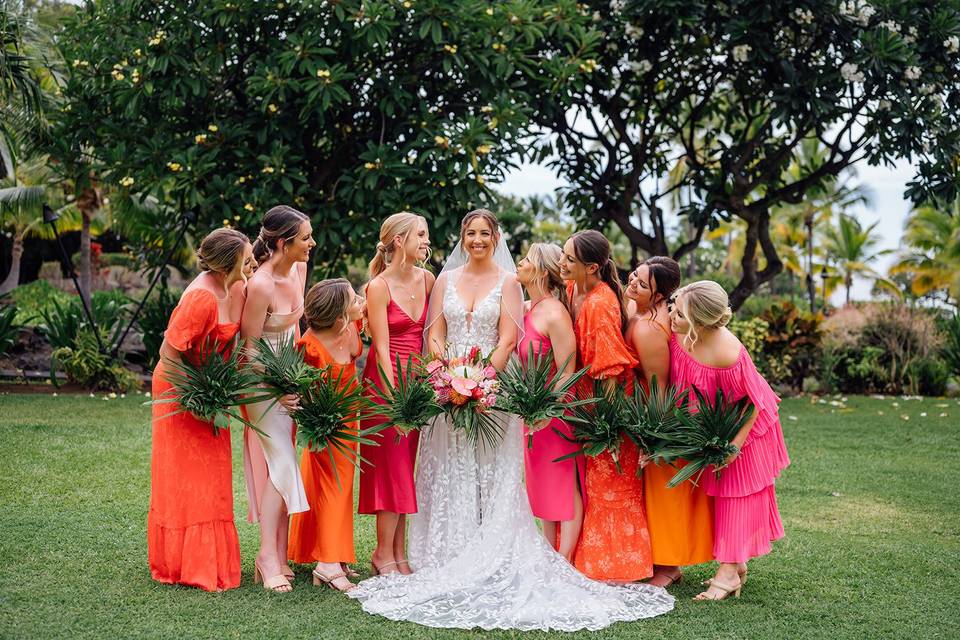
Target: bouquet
x=654, y=416
x=282, y=371
x=531, y=389
x=412, y=402
x=466, y=389
x=599, y=424
x=705, y=438
x=212, y=387
x=327, y=407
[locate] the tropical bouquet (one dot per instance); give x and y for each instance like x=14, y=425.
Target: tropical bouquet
x=282, y=370
x=600, y=424
x=533, y=390
x=654, y=417
x=212, y=387
x=466, y=389
x=411, y=403
x=705, y=437
x=325, y=415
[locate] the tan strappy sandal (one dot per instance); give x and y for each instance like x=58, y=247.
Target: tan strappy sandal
x=724, y=589
x=320, y=578
x=275, y=583
x=674, y=579
x=378, y=571
x=347, y=569
x=404, y=561
x=289, y=574
x=742, y=574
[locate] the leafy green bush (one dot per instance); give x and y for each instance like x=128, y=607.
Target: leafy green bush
x=33, y=298
x=783, y=341
x=86, y=366
x=62, y=322
x=9, y=327
x=950, y=329
x=884, y=348
x=153, y=321
x=118, y=260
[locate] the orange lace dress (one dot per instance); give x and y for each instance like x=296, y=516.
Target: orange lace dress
x=191, y=535
x=614, y=542
x=325, y=532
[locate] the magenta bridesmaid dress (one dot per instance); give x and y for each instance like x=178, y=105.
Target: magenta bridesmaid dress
x=550, y=485
x=746, y=517
x=386, y=478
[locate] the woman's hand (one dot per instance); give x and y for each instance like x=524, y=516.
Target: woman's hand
x=290, y=401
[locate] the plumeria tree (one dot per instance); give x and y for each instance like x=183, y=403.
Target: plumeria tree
x=713, y=100
x=349, y=110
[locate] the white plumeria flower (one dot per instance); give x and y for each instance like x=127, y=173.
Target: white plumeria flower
x=851, y=72
x=803, y=16
x=617, y=5
x=923, y=414
x=634, y=32
x=884, y=105
x=640, y=66
x=912, y=73
x=952, y=44
x=741, y=52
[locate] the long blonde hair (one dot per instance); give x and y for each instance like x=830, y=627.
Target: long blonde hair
x=221, y=250
x=399, y=224
x=705, y=305
x=546, y=257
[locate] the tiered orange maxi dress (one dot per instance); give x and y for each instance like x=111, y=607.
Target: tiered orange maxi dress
x=191, y=535
x=614, y=543
x=680, y=520
x=325, y=532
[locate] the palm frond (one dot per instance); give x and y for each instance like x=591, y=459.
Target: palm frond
x=654, y=416
x=282, y=370
x=411, y=403
x=534, y=390
x=600, y=424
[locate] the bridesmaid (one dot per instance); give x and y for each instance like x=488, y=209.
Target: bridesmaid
x=272, y=311
x=680, y=520
x=707, y=355
x=324, y=534
x=397, y=298
x=614, y=544
x=553, y=488
x=191, y=536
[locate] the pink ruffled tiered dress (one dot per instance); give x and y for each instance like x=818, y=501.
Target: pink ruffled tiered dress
x=746, y=517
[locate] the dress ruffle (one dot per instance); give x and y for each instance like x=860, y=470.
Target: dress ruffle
x=204, y=555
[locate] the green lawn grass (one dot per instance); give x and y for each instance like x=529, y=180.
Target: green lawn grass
x=870, y=506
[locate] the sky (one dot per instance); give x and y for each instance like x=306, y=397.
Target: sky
x=886, y=186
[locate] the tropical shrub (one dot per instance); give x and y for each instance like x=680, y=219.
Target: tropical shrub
x=950, y=329
x=884, y=348
x=9, y=327
x=153, y=321
x=783, y=341
x=34, y=298
x=85, y=365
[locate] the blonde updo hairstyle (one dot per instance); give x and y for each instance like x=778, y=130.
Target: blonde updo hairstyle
x=705, y=305
x=279, y=223
x=399, y=224
x=221, y=250
x=545, y=257
x=326, y=302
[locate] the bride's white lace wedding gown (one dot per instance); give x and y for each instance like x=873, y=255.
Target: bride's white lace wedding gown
x=480, y=560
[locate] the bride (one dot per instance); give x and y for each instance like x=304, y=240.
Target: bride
x=480, y=560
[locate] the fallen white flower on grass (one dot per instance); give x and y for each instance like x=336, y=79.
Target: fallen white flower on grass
x=923, y=415
x=943, y=415
x=794, y=418
x=880, y=413
x=905, y=417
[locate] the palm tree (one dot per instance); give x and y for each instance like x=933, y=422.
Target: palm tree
x=851, y=248
x=933, y=260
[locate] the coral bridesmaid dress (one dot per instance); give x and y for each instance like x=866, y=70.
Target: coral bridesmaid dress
x=746, y=517
x=550, y=485
x=191, y=535
x=386, y=478
x=614, y=543
x=325, y=532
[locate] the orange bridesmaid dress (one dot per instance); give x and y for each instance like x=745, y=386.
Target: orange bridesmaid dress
x=680, y=520
x=325, y=532
x=191, y=535
x=614, y=542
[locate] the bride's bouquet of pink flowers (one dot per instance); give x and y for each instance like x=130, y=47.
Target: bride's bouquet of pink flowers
x=467, y=389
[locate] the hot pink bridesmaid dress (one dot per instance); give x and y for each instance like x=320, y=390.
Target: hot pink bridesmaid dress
x=746, y=517
x=550, y=485
x=386, y=479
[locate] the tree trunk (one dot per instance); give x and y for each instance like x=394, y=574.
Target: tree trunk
x=13, y=278
x=758, y=233
x=848, y=282
x=88, y=203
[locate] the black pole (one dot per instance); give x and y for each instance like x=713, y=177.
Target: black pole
x=185, y=220
x=50, y=217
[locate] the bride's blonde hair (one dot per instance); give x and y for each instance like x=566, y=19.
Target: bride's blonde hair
x=705, y=305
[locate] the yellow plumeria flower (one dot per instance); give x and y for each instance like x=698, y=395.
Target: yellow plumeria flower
x=484, y=149
x=442, y=141
x=137, y=52
x=213, y=128
x=369, y=166
x=323, y=73
x=407, y=4
x=248, y=207
x=174, y=166
x=489, y=11
x=127, y=181
x=237, y=218
x=267, y=169
x=200, y=138
x=117, y=75
x=499, y=47
x=272, y=108
x=443, y=183
x=241, y=180
x=486, y=109
x=226, y=222
x=135, y=76
x=450, y=48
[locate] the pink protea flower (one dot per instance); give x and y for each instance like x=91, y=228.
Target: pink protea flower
x=433, y=365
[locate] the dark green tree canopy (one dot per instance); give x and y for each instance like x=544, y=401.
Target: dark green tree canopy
x=350, y=110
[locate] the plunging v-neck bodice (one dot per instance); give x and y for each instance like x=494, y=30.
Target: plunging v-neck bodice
x=479, y=327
